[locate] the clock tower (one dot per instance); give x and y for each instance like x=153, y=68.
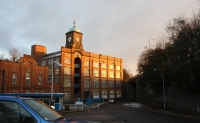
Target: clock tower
x=74, y=38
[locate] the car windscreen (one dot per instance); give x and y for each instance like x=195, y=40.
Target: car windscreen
x=43, y=110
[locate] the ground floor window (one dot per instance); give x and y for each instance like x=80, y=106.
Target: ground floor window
x=104, y=94
x=112, y=94
x=96, y=94
x=67, y=96
x=118, y=93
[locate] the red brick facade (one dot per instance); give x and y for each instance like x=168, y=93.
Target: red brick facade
x=20, y=68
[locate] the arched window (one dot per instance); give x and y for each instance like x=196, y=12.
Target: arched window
x=14, y=78
x=40, y=79
x=28, y=78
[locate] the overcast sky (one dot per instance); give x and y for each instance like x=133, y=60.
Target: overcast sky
x=119, y=28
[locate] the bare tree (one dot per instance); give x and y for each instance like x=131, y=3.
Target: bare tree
x=14, y=54
x=2, y=56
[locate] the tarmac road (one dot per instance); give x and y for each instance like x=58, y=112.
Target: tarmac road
x=122, y=112
x=95, y=115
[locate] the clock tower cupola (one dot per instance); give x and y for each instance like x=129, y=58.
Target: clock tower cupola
x=74, y=38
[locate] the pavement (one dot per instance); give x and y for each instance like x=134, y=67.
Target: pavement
x=187, y=114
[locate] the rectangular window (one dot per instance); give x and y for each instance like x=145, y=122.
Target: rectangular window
x=43, y=62
x=118, y=67
x=67, y=70
x=58, y=59
x=67, y=82
x=104, y=93
x=67, y=96
x=86, y=63
x=56, y=70
x=96, y=64
x=111, y=74
x=112, y=84
x=96, y=83
x=118, y=84
x=118, y=93
x=111, y=66
x=40, y=80
x=50, y=61
x=86, y=72
x=103, y=73
x=103, y=65
x=96, y=94
x=50, y=71
x=104, y=83
x=95, y=73
x=49, y=80
x=28, y=78
x=67, y=61
x=118, y=75
x=86, y=83
x=56, y=79
x=14, y=78
x=112, y=94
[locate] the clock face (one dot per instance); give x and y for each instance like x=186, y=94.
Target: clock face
x=77, y=39
x=69, y=39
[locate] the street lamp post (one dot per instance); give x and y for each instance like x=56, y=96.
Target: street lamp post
x=52, y=83
x=163, y=89
x=56, y=64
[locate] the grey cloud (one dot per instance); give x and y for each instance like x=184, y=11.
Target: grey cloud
x=114, y=27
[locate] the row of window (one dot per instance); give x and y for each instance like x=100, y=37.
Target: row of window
x=86, y=63
x=67, y=71
x=28, y=79
x=103, y=65
x=96, y=94
x=67, y=81
x=96, y=83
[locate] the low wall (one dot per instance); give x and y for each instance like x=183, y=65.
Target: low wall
x=174, y=99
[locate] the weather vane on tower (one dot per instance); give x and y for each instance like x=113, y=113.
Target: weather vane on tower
x=74, y=22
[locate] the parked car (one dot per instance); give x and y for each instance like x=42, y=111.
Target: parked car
x=29, y=110
x=111, y=101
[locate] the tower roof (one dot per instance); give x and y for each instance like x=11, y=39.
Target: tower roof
x=74, y=29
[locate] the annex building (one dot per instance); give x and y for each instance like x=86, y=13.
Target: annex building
x=82, y=74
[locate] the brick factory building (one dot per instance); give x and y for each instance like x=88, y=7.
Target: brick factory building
x=82, y=74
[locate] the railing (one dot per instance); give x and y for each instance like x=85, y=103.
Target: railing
x=76, y=75
x=76, y=85
x=76, y=106
x=77, y=65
